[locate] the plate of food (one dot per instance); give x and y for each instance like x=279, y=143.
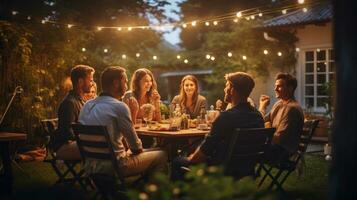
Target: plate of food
x=159, y=127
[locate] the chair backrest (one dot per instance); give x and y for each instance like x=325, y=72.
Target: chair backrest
x=49, y=126
x=305, y=138
x=246, y=149
x=94, y=143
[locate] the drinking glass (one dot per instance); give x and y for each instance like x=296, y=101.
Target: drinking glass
x=148, y=112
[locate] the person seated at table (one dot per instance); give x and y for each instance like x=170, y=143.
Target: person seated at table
x=143, y=90
x=92, y=94
x=286, y=116
x=214, y=148
x=189, y=99
x=108, y=110
x=64, y=145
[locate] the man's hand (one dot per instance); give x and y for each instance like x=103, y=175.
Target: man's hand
x=264, y=102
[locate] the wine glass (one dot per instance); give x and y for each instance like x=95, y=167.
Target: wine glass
x=148, y=112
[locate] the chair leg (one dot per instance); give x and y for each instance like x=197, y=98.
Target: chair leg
x=275, y=180
x=267, y=172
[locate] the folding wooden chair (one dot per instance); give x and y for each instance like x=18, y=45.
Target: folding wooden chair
x=247, y=149
x=94, y=144
x=285, y=168
x=64, y=169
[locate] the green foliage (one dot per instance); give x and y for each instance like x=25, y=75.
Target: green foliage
x=201, y=183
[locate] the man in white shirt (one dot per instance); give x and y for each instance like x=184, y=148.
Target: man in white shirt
x=108, y=110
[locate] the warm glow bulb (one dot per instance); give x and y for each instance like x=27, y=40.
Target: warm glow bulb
x=178, y=57
x=235, y=20
x=284, y=11
x=266, y=52
x=185, y=61
x=260, y=14
x=215, y=23
x=83, y=49
x=130, y=28
x=193, y=23
x=244, y=57
x=184, y=25
x=318, y=50
x=207, y=23
x=279, y=53
x=99, y=28
x=239, y=14
x=43, y=21
x=123, y=56
x=229, y=54
x=69, y=25
x=304, y=9
x=213, y=58
x=154, y=57
x=208, y=56
x=119, y=29
x=105, y=50
x=301, y=1
x=252, y=17
x=297, y=49
x=137, y=55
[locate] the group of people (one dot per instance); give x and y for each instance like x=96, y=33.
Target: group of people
x=118, y=109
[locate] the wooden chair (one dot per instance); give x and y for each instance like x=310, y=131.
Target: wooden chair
x=94, y=144
x=285, y=168
x=64, y=169
x=247, y=148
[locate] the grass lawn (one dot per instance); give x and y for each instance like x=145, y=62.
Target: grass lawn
x=36, y=182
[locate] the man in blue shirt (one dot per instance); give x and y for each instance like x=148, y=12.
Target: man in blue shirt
x=214, y=148
x=108, y=110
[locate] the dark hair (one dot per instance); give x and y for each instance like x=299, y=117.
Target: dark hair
x=109, y=75
x=183, y=96
x=242, y=83
x=80, y=71
x=289, y=80
x=135, y=82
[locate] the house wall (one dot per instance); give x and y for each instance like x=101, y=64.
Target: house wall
x=310, y=37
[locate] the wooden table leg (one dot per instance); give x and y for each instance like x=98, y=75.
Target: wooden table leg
x=8, y=177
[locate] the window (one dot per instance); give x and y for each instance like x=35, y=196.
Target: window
x=319, y=69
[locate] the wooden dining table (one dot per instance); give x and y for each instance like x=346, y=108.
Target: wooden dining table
x=5, y=139
x=171, y=139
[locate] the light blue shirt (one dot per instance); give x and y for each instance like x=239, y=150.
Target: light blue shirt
x=115, y=115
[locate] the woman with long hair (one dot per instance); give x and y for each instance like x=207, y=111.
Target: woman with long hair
x=143, y=95
x=189, y=99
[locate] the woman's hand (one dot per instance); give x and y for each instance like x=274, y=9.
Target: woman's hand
x=155, y=96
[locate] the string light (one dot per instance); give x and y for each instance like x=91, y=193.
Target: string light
x=83, y=49
x=99, y=28
x=279, y=53
x=260, y=14
x=184, y=25
x=265, y=52
x=244, y=57
x=213, y=58
x=239, y=14
x=304, y=10
x=130, y=28
x=43, y=21
x=247, y=18
x=119, y=29
x=193, y=23
x=252, y=17
x=105, y=50
x=229, y=54
x=185, y=61
x=178, y=57
x=208, y=56
x=69, y=25
x=207, y=23
x=14, y=12
x=28, y=17
x=137, y=55
x=318, y=50
x=235, y=20
x=301, y=1
x=284, y=11
x=297, y=49
x=154, y=57
x=215, y=23
x=123, y=56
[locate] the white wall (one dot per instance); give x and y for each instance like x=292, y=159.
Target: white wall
x=310, y=37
